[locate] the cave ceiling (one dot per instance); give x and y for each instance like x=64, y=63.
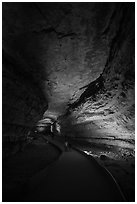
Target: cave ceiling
x=61, y=45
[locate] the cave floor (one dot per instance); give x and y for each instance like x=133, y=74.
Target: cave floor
x=119, y=161
x=20, y=167
x=73, y=177
x=31, y=163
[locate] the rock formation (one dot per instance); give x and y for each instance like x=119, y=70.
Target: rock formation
x=74, y=60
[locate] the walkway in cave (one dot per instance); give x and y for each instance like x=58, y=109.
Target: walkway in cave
x=73, y=177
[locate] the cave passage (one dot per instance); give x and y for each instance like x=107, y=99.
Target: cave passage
x=68, y=101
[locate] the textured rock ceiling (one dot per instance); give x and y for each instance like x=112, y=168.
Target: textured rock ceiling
x=75, y=58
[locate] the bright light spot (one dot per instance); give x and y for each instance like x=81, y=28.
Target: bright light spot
x=88, y=153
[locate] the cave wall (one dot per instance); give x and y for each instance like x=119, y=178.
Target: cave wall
x=109, y=101
x=22, y=101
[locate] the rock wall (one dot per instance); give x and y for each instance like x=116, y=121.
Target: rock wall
x=108, y=102
x=23, y=103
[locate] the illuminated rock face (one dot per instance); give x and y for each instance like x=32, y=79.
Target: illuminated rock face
x=80, y=57
x=108, y=102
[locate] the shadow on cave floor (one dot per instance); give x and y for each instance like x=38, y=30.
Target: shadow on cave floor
x=73, y=177
x=18, y=168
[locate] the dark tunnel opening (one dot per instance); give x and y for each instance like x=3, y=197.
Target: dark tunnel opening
x=68, y=101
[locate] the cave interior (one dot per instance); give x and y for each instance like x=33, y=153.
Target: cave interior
x=67, y=69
